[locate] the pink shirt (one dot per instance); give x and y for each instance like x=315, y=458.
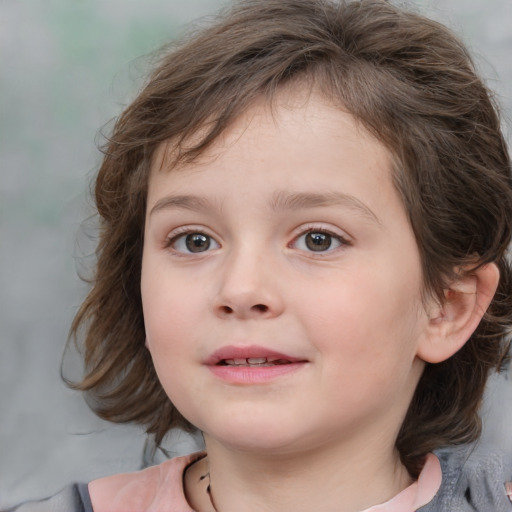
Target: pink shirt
x=417, y=494
x=160, y=488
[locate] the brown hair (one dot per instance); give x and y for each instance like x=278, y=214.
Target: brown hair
x=412, y=85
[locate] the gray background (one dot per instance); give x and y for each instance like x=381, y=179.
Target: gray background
x=67, y=68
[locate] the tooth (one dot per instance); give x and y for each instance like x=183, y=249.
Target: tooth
x=240, y=361
x=256, y=360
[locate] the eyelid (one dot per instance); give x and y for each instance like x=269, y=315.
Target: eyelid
x=323, y=227
x=182, y=231
x=344, y=239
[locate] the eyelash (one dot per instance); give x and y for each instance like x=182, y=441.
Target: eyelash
x=340, y=240
x=182, y=234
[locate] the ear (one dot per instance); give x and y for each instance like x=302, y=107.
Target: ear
x=452, y=323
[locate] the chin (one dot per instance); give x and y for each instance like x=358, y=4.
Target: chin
x=254, y=426
x=261, y=439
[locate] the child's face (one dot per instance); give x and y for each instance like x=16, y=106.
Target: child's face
x=287, y=240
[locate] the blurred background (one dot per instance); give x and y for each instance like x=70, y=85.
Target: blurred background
x=69, y=67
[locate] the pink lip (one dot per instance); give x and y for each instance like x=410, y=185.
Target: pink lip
x=252, y=351
x=255, y=374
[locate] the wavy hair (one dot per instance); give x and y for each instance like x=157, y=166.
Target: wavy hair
x=412, y=84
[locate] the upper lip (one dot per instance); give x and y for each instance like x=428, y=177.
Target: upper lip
x=248, y=352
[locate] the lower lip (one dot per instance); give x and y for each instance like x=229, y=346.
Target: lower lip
x=254, y=374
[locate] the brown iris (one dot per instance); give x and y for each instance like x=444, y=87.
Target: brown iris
x=197, y=242
x=316, y=241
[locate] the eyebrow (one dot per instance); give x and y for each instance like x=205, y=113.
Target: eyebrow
x=281, y=201
x=305, y=200
x=183, y=202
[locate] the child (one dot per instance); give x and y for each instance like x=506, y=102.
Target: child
x=304, y=221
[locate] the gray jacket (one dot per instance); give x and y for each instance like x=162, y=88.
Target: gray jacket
x=473, y=481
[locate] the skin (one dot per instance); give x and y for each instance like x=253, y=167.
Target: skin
x=321, y=436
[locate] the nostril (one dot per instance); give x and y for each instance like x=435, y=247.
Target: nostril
x=260, y=307
x=242, y=311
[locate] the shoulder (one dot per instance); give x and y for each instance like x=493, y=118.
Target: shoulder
x=156, y=488
x=474, y=479
x=73, y=498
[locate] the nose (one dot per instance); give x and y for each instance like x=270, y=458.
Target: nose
x=248, y=288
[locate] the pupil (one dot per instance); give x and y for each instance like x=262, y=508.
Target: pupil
x=318, y=241
x=197, y=242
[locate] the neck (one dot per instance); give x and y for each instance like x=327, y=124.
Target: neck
x=325, y=479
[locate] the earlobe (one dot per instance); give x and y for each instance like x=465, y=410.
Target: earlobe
x=452, y=323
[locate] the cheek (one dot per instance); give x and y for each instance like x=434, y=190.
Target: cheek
x=370, y=315
x=169, y=326
x=172, y=350
x=163, y=322
x=171, y=308
x=167, y=302
x=367, y=344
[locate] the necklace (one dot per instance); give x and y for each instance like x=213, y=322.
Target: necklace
x=209, y=490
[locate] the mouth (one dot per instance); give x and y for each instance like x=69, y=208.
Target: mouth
x=253, y=362
x=249, y=356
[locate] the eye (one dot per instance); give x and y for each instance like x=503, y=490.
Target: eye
x=318, y=241
x=193, y=243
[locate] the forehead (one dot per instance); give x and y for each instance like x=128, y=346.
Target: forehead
x=296, y=112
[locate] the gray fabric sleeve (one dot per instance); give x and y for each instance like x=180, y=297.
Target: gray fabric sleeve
x=473, y=481
x=73, y=498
